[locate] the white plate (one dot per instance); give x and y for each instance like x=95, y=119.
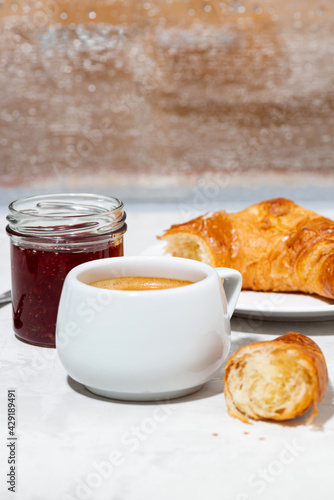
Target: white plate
x=279, y=306
x=273, y=306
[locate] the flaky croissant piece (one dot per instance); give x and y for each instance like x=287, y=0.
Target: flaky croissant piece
x=275, y=380
x=276, y=245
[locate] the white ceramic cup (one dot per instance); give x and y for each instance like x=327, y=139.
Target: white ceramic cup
x=148, y=344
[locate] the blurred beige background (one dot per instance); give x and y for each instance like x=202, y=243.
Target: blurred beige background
x=149, y=100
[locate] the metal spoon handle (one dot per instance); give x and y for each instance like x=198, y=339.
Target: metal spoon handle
x=6, y=297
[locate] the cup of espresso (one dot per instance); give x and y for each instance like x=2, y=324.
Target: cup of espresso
x=145, y=328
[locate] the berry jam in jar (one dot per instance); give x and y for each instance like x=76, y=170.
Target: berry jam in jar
x=49, y=235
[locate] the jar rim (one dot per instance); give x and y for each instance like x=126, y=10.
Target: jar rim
x=50, y=196
x=60, y=213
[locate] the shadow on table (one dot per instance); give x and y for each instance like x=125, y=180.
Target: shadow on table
x=212, y=388
x=215, y=387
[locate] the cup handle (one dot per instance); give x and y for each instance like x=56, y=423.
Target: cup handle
x=232, y=282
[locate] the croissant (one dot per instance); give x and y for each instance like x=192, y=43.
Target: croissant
x=276, y=245
x=275, y=380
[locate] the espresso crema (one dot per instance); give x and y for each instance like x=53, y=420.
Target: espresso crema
x=139, y=283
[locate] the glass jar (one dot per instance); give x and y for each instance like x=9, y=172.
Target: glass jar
x=49, y=235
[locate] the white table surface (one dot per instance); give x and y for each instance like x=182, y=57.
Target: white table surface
x=73, y=445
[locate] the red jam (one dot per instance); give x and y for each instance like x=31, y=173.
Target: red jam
x=49, y=235
x=37, y=280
